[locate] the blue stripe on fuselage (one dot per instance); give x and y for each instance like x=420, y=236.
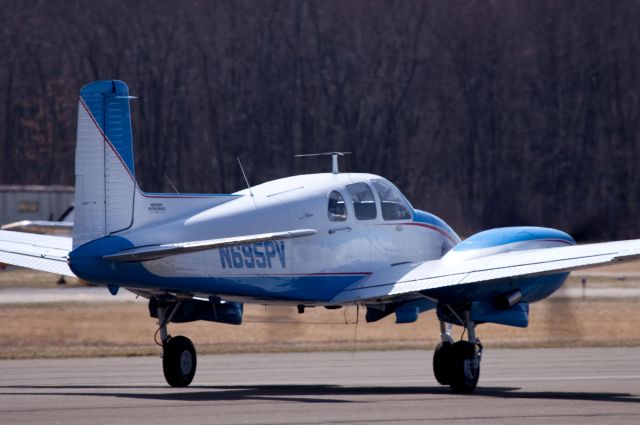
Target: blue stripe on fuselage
x=87, y=263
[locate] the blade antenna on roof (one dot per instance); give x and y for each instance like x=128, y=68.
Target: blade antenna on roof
x=245, y=176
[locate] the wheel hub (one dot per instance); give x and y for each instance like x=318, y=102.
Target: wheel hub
x=186, y=362
x=471, y=368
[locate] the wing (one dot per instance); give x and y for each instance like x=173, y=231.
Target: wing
x=154, y=252
x=62, y=228
x=41, y=252
x=419, y=277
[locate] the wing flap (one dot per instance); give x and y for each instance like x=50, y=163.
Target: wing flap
x=155, y=252
x=40, y=252
x=419, y=277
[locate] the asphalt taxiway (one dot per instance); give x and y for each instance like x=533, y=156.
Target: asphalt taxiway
x=532, y=386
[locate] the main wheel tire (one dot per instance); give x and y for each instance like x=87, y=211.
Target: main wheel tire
x=441, y=362
x=464, y=367
x=179, y=361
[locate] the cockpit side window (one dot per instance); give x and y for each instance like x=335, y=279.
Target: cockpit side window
x=364, y=204
x=337, y=210
x=393, y=205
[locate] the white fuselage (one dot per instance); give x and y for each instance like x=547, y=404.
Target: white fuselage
x=340, y=253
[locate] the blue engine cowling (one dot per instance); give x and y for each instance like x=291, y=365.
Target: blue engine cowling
x=507, y=239
x=505, y=301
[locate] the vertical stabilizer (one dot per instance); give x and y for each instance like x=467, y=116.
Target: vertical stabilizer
x=105, y=182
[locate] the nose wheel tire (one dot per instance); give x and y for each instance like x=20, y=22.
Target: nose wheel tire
x=179, y=361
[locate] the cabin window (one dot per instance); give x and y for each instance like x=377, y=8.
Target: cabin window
x=364, y=205
x=393, y=204
x=337, y=208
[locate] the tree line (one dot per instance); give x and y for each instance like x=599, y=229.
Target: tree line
x=487, y=113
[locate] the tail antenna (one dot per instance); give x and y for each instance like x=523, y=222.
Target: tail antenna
x=334, y=158
x=173, y=186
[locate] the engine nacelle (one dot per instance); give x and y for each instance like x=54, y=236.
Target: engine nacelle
x=507, y=239
x=192, y=310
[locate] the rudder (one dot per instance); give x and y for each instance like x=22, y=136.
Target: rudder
x=105, y=179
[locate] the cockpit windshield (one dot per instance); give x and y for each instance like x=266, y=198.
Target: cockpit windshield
x=394, y=206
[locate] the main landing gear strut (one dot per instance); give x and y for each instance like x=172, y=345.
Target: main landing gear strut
x=178, y=354
x=457, y=364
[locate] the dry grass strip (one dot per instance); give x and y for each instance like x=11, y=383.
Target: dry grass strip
x=80, y=330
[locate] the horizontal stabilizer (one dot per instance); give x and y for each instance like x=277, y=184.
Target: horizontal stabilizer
x=41, y=227
x=41, y=252
x=154, y=252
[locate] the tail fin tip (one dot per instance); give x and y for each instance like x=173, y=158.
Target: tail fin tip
x=107, y=102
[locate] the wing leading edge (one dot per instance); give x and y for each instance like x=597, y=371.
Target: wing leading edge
x=420, y=277
x=41, y=252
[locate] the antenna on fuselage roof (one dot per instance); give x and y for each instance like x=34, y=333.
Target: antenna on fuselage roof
x=334, y=158
x=245, y=176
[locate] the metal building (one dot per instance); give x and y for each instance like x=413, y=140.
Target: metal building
x=34, y=202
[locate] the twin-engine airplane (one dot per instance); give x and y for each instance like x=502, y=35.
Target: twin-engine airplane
x=330, y=240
